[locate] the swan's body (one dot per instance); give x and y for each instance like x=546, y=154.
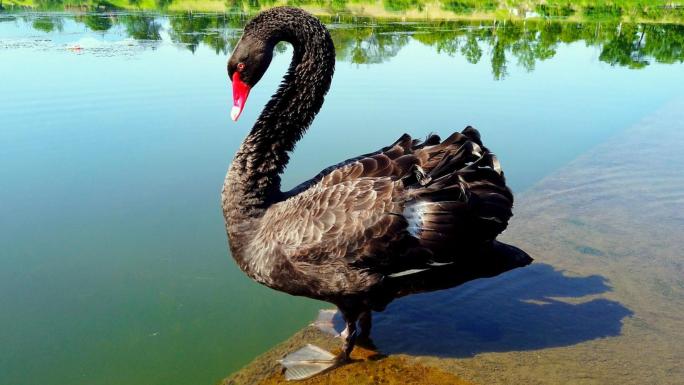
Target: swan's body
x=408, y=218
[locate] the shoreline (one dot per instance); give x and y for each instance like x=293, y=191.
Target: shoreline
x=433, y=11
x=368, y=367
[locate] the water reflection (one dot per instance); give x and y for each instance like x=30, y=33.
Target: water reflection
x=141, y=27
x=370, y=41
x=47, y=23
x=219, y=32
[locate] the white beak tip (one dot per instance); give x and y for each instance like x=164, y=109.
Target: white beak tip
x=235, y=113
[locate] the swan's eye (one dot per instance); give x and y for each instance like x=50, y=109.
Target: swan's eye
x=240, y=66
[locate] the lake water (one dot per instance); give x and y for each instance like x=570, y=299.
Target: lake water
x=115, y=136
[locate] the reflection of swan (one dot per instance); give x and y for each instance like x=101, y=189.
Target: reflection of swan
x=409, y=218
x=533, y=308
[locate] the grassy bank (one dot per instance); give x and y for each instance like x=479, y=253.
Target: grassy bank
x=624, y=10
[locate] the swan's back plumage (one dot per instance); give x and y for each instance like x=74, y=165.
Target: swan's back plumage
x=388, y=222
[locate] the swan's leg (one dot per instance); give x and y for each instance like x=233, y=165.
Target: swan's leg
x=350, y=339
x=366, y=324
x=311, y=360
x=324, y=322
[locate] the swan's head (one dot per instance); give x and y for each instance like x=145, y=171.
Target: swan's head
x=246, y=66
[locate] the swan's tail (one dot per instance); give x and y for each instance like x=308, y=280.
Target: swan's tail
x=455, y=203
x=458, y=196
x=491, y=259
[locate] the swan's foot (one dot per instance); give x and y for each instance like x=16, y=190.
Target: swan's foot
x=324, y=321
x=367, y=343
x=309, y=361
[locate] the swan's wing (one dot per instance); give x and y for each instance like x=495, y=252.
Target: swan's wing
x=332, y=220
x=407, y=208
x=391, y=161
x=333, y=214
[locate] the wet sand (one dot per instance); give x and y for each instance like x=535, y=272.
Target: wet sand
x=602, y=304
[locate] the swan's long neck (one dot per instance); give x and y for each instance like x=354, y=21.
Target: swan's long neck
x=253, y=180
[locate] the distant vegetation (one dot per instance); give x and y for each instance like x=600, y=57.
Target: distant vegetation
x=524, y=31
x=625, y=10
x=368, y=41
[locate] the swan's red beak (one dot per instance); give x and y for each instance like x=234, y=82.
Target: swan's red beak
x=240, y=93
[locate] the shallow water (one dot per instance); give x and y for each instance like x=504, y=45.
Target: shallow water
x=116, y=135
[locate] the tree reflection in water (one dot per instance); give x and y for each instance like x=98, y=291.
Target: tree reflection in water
x=368, y=41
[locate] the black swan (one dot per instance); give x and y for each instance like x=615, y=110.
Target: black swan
x=409, y=218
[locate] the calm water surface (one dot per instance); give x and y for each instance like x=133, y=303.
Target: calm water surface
x=116, y=135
